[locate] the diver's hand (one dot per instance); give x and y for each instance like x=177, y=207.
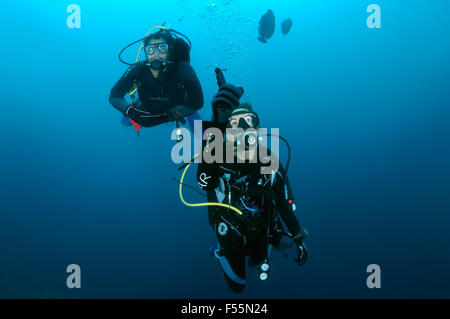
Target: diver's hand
x=142, y=117
x=228, y=96
x=302, y=253
x=174, y=115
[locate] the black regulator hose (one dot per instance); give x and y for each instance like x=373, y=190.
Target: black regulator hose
x=129, y=45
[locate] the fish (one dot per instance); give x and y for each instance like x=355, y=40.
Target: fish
x=266, y=26
x=286, y=26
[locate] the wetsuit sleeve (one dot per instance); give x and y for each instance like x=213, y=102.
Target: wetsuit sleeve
x=123, y=86
x=285, y=202
x=192, y=97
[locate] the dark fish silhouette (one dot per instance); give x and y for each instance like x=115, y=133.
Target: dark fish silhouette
x=286, y=26
x=266, y=26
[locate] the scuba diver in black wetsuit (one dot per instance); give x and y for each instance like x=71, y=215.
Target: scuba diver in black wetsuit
x=167, y=85
x=264, y=200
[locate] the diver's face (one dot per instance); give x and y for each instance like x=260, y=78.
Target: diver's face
x=233, y=123
x=157, y=49
x=234, y=120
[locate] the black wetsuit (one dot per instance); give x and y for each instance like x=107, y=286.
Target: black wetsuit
x=262, y=199
x=177, y=86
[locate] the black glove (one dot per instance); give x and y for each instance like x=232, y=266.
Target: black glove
x=302, y=250
x=302, y=254
x=145, y=118
x=227, y=96
x=179, y=113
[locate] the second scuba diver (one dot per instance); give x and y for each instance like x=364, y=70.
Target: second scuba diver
x=264, y=199
x=167, y=85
